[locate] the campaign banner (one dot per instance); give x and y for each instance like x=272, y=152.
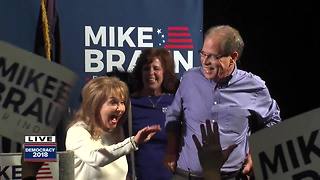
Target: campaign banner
x=34, y=93
x=288, y=150
x=18, y=22
x=110, y=35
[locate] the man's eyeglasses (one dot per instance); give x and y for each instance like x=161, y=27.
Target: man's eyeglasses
x=211, y=57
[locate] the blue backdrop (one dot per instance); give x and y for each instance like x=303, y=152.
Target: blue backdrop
x=98, y=37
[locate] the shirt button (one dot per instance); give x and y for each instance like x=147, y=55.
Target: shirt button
x=215, y=102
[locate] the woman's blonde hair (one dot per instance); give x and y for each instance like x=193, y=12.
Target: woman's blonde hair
x=94, y=94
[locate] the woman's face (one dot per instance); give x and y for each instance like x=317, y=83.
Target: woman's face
x=111, y=112
x=152, y=75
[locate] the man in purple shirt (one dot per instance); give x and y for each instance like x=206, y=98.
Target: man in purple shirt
x=217, y=91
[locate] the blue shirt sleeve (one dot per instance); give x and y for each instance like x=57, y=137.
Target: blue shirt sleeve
x=267, y=108
x=174, y=113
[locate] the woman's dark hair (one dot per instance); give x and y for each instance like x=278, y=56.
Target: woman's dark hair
x=170, y=81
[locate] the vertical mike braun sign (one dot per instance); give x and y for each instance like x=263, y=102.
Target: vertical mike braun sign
x=33, y=93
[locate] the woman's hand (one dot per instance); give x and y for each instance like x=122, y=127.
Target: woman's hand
x=145, y=134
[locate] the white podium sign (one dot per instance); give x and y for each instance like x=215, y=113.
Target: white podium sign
x=289, y=150
x=11, y=168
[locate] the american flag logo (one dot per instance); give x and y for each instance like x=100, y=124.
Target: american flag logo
x=44, y=172
x=174, y=37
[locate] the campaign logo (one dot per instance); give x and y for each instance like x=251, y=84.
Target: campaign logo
x=40, y=149
x=110, y=48
x=175, y=37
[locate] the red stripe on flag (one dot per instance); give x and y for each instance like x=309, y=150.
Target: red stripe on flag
x=180, y=40
x=170, y=34
x=47, y=172
x=45, y=177
x=40, y=160
x=172, y=46
x=178, y=28
x=44, y=169
x=39, y=144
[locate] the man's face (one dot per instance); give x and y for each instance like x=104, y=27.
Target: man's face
x=215, y=64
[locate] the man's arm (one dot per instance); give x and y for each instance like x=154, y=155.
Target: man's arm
x=265, y=113
x=171, y=155
x=173, y=130
x=265, y=109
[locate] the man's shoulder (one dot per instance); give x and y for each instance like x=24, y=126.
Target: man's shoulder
x=250, y=78
x=192, y=72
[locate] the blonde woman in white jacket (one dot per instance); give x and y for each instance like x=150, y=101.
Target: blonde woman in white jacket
x=96, y=134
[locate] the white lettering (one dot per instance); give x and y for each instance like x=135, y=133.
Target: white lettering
x=89, y=60
x=111, y=37
x=94, y=60
x=179, y=58
x=133, y=60
x=95, y=39
x=115, y=63
x=142, y=36
x=125, y=37
x=40, y=139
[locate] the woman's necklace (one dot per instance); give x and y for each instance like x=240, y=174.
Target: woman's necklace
x=154, y=105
